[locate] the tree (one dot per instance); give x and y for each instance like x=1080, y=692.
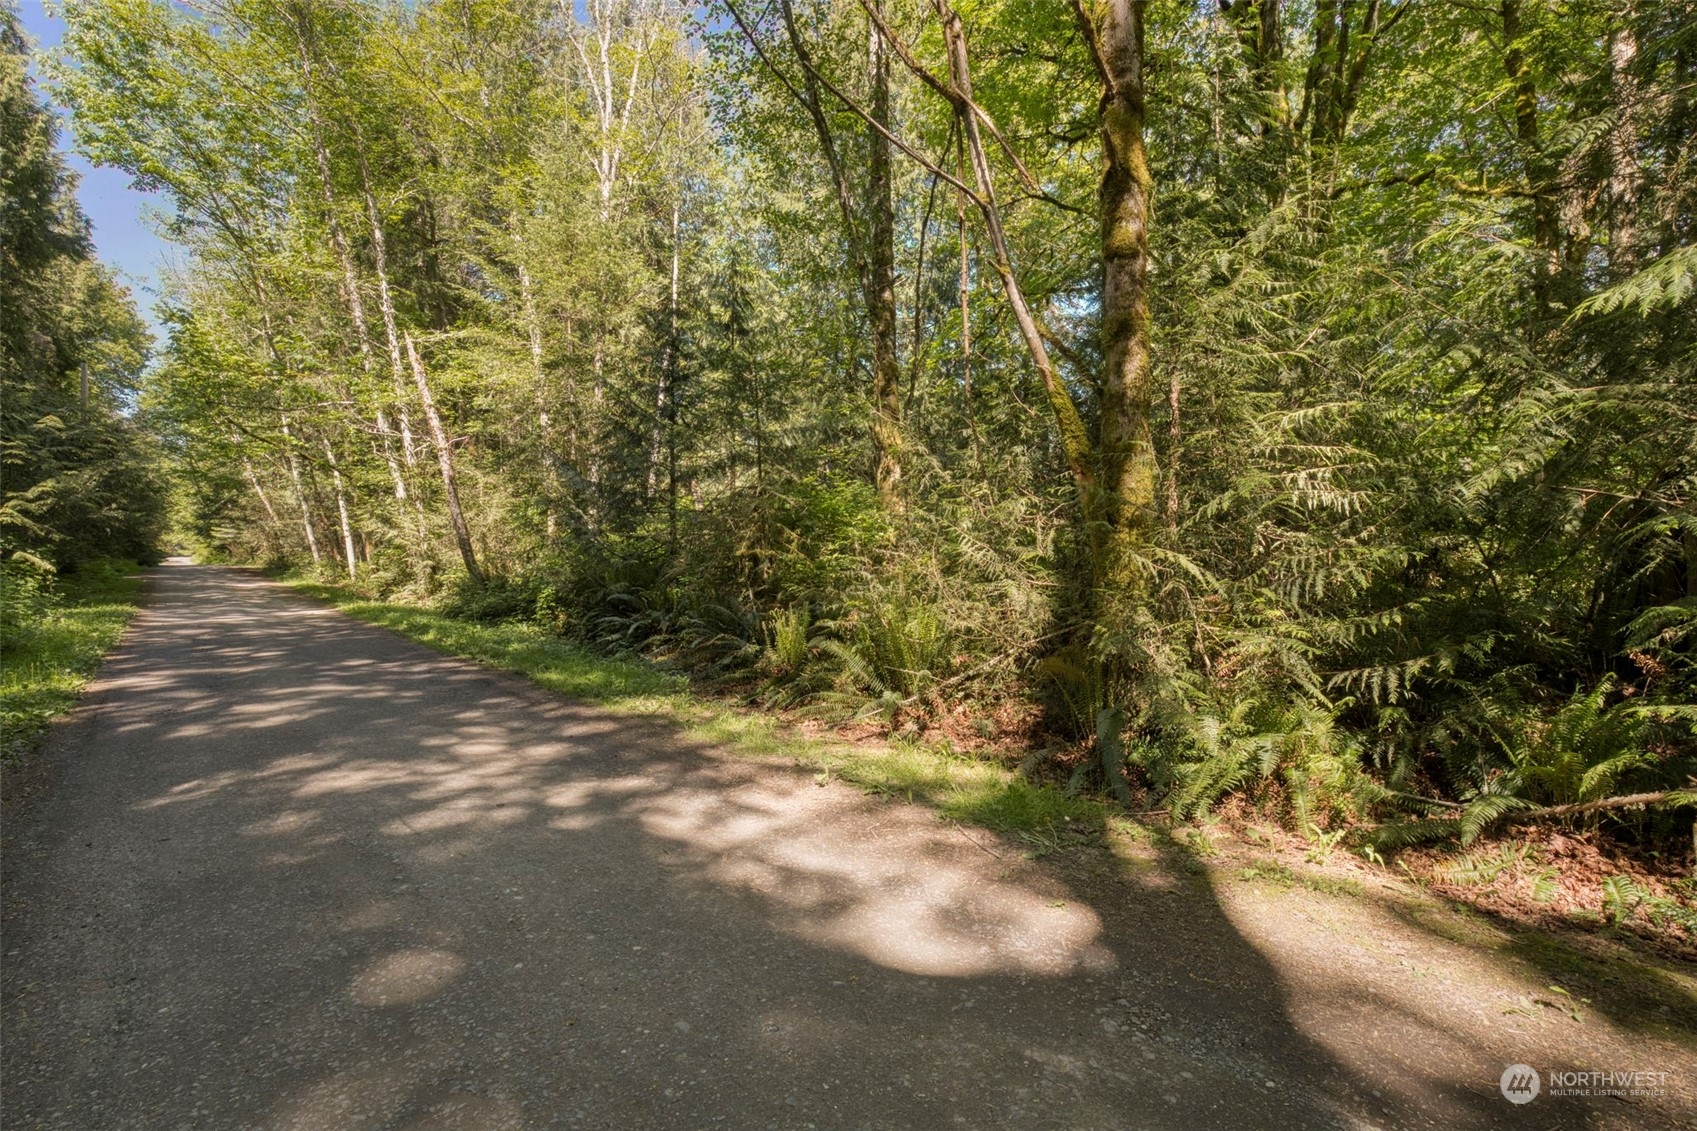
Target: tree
x=80, y=477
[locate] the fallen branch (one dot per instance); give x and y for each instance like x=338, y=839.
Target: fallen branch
x=1626, y=802
x=1686, y=796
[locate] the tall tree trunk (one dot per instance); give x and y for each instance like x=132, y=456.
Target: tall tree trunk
x=612, y=108
x=574, y=450
x=1126, y=451
x=869, y=226
x=612, y=116
x=300, y=493
x=597, y=394
x=444, y=461
x=879, y=281
x=1625, y=176
x=265, y=500
x=397, y=370
x=386, y=301
x=396, y=476
x=668, y=365
x=1317, y=86
x=673, y=369
x=1261, y=38
x=1175, y=437
x=964, y=292
x=341, y=506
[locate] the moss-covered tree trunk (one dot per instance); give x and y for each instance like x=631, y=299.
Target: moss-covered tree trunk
x=1124, y=514
x=879, y=280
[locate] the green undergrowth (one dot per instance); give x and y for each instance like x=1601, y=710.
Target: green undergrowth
x=958, y=788
x=55, y=635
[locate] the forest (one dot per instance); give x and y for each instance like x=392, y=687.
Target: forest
x=1289, y=405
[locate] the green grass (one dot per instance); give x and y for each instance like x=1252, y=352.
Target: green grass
x=1284, y=877
x=556, y=664
x=963, y=789
x=53, y=646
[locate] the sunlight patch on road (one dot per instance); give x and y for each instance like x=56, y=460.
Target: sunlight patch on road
x=354, y=1097
x=905, y=899
x=286, y=823
x=407, y=977
x=454, y=813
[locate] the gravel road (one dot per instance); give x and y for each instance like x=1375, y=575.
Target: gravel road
x=292, y=871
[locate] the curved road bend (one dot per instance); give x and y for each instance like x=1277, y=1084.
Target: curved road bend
x=293, y=871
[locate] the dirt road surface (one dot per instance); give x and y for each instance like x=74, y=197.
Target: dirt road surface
x=292, y=871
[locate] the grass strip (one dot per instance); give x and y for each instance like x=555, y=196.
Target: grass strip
x=53, y=645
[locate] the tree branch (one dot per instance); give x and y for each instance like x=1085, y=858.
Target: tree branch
x=1088, y=27
x=964, y=103
x=855, y=108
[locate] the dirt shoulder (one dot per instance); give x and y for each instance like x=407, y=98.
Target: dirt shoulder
x=1379, y=970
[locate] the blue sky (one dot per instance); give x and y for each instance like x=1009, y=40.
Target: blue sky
x=121, y=234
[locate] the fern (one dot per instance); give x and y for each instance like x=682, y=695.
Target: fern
x=1621, y=897
x=1483, y=812
x=860, y=672
x=1406, y=834
x=1480, y=869
x=1582, y=752
x=1661, y=286
x=788, y=638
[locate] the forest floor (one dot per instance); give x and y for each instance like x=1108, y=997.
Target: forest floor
x=292, y=870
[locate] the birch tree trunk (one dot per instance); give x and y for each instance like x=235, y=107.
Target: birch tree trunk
x=300, y=493
x=264, y=499
x=1075, y=440
x=386, y=303
x=600, y=77
x=341, y=507
x=444, y=461
x=965, y=296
